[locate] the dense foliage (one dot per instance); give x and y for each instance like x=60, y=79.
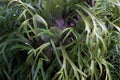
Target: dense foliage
x=59, y=40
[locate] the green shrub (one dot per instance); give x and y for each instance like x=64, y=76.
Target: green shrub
x=60, y=40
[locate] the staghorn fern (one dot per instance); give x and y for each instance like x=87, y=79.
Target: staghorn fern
x=39, y=49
